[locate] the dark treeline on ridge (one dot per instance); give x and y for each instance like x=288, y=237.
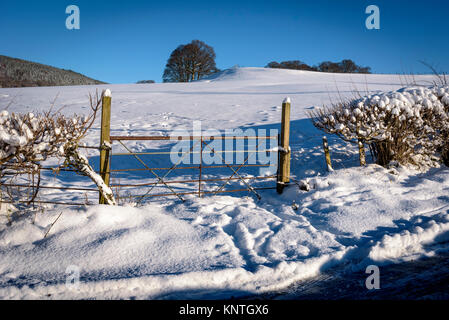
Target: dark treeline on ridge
x=345, y=66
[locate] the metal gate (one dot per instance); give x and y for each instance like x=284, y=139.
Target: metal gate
x=200, y=181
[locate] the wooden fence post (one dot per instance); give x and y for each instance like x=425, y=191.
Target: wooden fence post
x=105, y=140
x=284, y=148
x=201, y=167
x=362, y=153
x=327, y=154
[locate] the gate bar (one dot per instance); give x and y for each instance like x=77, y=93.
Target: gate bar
x=190, y=168
x=204, y=192
x=172, y=138
x=191, y=181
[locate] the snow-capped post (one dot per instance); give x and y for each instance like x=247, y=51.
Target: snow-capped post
x=284, y=148
x=105, y=140
x=327, y=154
x=362, y=153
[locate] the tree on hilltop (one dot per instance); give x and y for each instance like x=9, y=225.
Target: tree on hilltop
x=190, y=62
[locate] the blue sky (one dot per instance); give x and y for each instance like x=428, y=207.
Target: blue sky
x=126, y=41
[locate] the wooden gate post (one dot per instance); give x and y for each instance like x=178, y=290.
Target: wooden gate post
x=201, y=167
x=327, y=154
x=362, y=156
x=284, y=148
x=105, y=140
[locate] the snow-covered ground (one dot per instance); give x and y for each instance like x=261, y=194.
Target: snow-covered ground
x=232, y=245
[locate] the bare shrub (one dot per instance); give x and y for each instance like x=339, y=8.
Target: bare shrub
x=441, y=78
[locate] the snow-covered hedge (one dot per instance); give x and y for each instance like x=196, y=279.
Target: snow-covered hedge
x=28, y=139
x=409, y=125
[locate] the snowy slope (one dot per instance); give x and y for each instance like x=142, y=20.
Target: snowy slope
x=235, y=98
x=225, y=246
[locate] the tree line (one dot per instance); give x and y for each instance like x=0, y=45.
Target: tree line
x=196, y=60
x=21, y=73
x=345, y=66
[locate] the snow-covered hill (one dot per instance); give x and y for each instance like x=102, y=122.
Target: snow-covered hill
x=232, y=245
x=234, y=98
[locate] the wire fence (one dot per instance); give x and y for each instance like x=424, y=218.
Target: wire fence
x=19, y=185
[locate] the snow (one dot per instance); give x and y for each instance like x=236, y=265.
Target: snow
x=409, y=243
x=233, y=245
x=107, y=93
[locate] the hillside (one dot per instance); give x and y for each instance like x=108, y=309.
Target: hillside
x=21, y=73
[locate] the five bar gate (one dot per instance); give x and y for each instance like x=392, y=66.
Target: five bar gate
x=282, y=177
x=202, y=143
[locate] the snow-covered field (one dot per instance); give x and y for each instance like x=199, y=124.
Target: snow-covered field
x=232, y=245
